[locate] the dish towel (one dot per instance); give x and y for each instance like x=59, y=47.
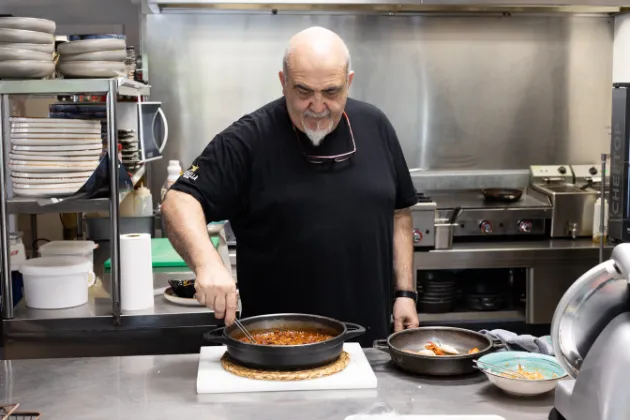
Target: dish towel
x=516, y=342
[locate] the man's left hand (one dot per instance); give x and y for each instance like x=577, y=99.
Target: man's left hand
x=405, y=314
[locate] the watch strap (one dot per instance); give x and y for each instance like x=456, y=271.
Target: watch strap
x=406, y=294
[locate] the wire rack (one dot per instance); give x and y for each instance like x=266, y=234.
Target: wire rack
x=9, y=412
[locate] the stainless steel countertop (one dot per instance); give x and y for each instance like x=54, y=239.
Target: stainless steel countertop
x=152, y=387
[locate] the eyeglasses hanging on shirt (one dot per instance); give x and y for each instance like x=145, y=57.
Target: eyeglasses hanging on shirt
x=334, y=158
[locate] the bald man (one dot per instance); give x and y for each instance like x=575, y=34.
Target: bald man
x=317, y=191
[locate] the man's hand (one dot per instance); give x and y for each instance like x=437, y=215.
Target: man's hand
x=215, y=288
x=405, y=314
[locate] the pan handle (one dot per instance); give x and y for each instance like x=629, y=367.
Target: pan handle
x=498, y=344
x=353, y=330
x=216, y=336
x=381, y=345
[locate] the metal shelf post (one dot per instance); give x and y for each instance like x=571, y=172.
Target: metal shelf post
x=7, y=290
x=112, y=143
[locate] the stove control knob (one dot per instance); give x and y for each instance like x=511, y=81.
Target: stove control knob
x=562, y=170
x=525, y=226
x=417, y=236
x=485, y=226
x=593, y=170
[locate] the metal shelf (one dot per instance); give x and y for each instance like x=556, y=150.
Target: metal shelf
x=24, y=205
x=126, y=87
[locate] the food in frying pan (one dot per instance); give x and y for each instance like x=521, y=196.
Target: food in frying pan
x=433, y=349
x=532, y=376
x=288, y=337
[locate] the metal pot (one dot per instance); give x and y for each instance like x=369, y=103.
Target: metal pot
x=415, y=339
x=502, y=195
x=285, y=357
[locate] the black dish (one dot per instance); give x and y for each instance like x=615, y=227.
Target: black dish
x=285, y=357
x=183, y=288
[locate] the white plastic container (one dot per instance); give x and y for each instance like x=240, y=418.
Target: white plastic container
x=83, y=249
x=174, y=171
x=143, y=202
x=57, y=282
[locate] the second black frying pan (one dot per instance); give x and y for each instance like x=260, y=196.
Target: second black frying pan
x=502, y=195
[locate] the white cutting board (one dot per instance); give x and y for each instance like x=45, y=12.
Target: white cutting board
x=213, y=379
x=424, y=417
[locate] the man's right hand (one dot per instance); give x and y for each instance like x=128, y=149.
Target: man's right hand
x=216, y=289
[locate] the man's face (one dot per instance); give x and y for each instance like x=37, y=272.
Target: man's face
x=316, y=95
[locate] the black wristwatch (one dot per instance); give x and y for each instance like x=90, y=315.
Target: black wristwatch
x=406, y=294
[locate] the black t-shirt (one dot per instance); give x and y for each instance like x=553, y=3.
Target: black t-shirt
x=311, y=238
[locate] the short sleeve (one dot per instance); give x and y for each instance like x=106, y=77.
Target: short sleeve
x=219, y=176
x=405, y=191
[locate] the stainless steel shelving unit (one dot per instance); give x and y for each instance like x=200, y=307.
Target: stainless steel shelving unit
x=9, y=205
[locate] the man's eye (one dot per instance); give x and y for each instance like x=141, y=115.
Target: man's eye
x=304, y=92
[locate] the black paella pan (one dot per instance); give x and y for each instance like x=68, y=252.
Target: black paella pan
x=286, y=357
x=402, y=345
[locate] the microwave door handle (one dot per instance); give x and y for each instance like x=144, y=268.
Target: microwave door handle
x=165, y=139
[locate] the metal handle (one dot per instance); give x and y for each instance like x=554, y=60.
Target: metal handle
x=353, y=330
x=165, y=139
x=381, y=345
x=216, y=336
x=114, y=199
x=602, y=221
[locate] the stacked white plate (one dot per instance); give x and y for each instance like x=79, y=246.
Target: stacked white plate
x=93, y=58
x=26, y=48
x=53, y=157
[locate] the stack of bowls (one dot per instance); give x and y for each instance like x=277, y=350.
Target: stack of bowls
x=26, y=48
x=439, y=293
x=93, y=56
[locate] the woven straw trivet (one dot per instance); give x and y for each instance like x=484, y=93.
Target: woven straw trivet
x=293, y=375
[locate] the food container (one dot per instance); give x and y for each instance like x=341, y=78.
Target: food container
x=530, y=362
x=83, y=249
x=444, y=235
x=57, y=282
x=285, y=357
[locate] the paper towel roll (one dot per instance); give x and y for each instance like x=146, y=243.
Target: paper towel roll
x=136, y=272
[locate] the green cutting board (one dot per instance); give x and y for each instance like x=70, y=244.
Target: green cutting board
x=164, y=255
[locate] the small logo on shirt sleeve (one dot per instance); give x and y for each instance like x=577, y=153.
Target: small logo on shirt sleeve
x=191, y=173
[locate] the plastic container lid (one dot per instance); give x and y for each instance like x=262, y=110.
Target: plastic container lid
x=67, y=247
x=55, y=266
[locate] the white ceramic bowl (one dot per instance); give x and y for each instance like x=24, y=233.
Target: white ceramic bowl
x=28, y=23
x=91, y=45
x=23, y=36
x=45, y=48
x=547, y=365
x=7, y=54
x=92, y=68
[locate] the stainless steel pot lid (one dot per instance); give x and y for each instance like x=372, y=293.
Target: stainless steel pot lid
x=594, y=300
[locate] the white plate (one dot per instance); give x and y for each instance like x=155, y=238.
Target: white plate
x=53, y=142
x=23, y=36
x=115, y=55
x=38, y=122
x=19, y=69
x=44, y=157
x=68, y=136
x=91, y=45
x=28, y=23
x=172, y=297
x=65, y=150
x=33, y=166
x=27, y=55
x=24, y=192
x=43, y=182
x=45, y=48
x=92, y=68
x=59, y=174
x=94, y=154
x=96, y=132
x=34, y=186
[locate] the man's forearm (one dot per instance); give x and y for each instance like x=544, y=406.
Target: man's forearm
x=403, y=250
x=187, y=230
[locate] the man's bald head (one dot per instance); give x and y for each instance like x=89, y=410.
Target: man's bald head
x=316, y=43
x=315, y=80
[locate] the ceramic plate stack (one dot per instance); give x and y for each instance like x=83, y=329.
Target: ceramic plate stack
x=52, y=157
x=93, y=58
x=26, y=48
x=438, y=293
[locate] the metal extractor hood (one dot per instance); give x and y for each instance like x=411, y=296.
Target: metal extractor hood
x=395, y=6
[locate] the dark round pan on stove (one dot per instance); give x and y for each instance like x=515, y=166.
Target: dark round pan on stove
x=414, y=339
x=502, y=195
x=290, y=357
